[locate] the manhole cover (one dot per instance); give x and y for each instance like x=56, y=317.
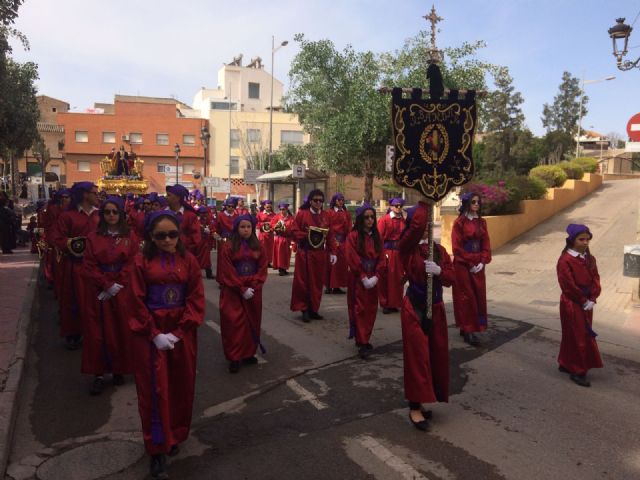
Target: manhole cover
x=92, y=461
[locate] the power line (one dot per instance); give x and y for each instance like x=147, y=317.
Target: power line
x=635, y=19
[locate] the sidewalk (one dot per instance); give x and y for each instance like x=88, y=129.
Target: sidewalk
x=18, y=278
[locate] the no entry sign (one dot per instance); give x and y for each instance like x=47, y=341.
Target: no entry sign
x=633, y=128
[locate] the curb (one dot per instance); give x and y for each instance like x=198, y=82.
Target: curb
x=10, y=394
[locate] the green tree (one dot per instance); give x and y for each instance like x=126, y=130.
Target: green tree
x=289, y=155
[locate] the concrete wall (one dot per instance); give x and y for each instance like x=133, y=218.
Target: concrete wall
x=504, y=228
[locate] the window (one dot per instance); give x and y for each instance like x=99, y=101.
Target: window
x=188, y=139
x=108, y=137
x=254, y=90
x=84, y=166
x=223, y=105
x=161, y=167
x=291, y=137
x=54, y=109
x=82, y=136
x=188, y=168
x=162, y=139
x=253, y=135
x=235, y=139
x=135, y=137
x=235, y=166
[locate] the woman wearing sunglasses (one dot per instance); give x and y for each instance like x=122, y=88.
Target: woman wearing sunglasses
x=166, y=308
x=472, y=251
x=108, y=261
x=366, y=260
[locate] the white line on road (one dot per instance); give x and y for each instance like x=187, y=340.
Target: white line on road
x=306, y=395
x=405, y=470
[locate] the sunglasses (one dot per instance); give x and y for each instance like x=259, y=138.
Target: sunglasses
x=146, y=203
x=160, y=236
x=108, y=211
x=475, y=202
x=317, y=199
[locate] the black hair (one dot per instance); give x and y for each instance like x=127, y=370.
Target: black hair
x=149, y=248
x=122, y=226
x=252, y=241
x=466, y=203
x=359, y=227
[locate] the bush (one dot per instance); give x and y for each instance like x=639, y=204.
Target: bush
x=588, y=164
x=551, y=175
x=526, y=188
x=495, y=198
x=573, y=169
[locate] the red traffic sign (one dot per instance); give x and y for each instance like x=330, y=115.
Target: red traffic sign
x=633, y=128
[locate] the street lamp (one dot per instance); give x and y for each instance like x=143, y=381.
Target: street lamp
x=204, y=138
x=274, y=49
x=586, y=82
x=229, y=99
x=619, y=34
x=177, y=150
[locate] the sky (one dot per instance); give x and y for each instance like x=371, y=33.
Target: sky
x=90, y=50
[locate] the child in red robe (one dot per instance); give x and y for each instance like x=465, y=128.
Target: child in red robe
x=281, y=226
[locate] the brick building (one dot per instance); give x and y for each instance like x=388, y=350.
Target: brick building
x=148, y=126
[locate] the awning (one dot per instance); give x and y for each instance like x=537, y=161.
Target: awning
x=285, y=176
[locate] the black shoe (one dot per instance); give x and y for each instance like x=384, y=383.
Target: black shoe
x=250, y=361
x=282, y=272
x=461, y=333
x=363, y=351
x=175, y=450
x=422, y=425
x=471, y=339
x=234, y=366
x=269, y=266
x=305, y=316
x=338, y=291
x=328, y=291
x=369, y=346
x=562, y=369
x=580, y=380
x=97, y=386
x=315, y=316
x=72, y=342
x=158, y=468
x=209, y=273
x=118, y=379
x=388, y=310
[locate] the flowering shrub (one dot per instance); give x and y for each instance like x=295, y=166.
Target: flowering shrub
x=495, y=198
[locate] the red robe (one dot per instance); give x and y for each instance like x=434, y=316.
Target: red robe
x=310, y=266
x=242, y=211
x=266, y=238
x=49, y=219
x=165, y=380
x=579, y=281
x=107, y=338
x=189, y=230
x=206, y=242
x=471, y=246
x=425, y=355
x=282, y=242
x=340, y=221
x=362, y=303
x=71, y=295
x=224, y=228
x=240, y=319
x=391, y=284
x=135, y=220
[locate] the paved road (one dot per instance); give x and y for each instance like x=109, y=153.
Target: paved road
x=311, y=409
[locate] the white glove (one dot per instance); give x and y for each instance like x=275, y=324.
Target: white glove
x=366, y=283
x=432, y=267
x=588, y=305
x=162, y=342
x=217, y=236
x=477, y=268
x=114, y=289
x=102, y=296
x=333, y=259
x=373, y=281
x=206, y=230
x=248, y=294
x=172, y=338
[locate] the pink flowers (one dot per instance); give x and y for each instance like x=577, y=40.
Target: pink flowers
x=494, y=198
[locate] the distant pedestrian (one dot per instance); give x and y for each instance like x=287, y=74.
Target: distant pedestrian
x=281, y=226
x=391, y=289
x=341, y=224
x=580, y=284
x=471, y=253
x=177, y=196
x=167, y=307
x=243, y=271
x=265, y=233
x=224, y=228
x=8, y=230
x=365, y=258
x=424, y=340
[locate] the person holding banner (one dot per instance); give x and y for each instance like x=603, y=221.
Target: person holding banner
x=341, y=224
x=281, y=225
x=471, y=252
x=265, y=232
x=366, y=261
x=391, y=282
x=424, y=339
x=243, y=271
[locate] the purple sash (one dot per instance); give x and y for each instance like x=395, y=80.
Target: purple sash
x=170, y=295
x=225, y=234
x=245, y=268
x=419, y=291
x=391, y=245
x=369, y=264
x=472, y=246
x=110, y=267
x=340, y=237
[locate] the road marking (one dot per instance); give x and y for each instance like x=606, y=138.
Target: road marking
x=394, y=462
x=306, y=394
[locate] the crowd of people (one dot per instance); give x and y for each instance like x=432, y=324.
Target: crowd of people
x=128, y=274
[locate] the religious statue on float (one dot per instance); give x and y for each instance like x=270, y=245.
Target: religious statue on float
x=122, y=172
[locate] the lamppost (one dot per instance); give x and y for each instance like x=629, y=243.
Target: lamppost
x=204, y=138
x=229, y=99
x=177, y=150
x=586, y=82
x=619, y=34
x=273, y=53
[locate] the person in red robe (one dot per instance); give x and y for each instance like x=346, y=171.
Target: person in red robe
x=471, y=253
x=190, y=235
x=365, y=257
x=69, y=236
x=281, y=225
x=158, y=202
x=224, y=227
x=165, y=310
x=242, y=276
x=265, y=233
x=58, y=204
x=241, y=209
x=340, y=221
x=207, y=227
x=107, y=265
x=136, y=216
x=311, y=256
x=580, y=284
x=424, y=340
x=391, y=288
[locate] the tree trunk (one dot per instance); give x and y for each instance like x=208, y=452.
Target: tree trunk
x=368, y=181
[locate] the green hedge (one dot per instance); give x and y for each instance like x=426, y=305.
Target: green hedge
x=573, y=169
x=526, y=188
x=551, y=175
x=588, y=164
